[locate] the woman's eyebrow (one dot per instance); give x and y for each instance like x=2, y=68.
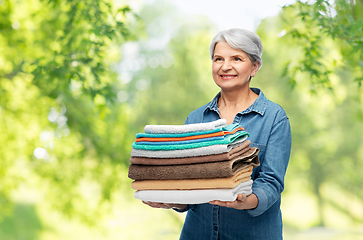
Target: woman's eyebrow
x=238, y=55
x=232, y=56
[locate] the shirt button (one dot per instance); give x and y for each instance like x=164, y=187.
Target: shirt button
x=215, y=228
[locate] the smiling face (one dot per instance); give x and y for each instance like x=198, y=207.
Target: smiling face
x=231, y=68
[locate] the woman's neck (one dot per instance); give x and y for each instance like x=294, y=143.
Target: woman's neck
x=232, y=102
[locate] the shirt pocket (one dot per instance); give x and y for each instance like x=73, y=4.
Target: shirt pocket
x=261, y=153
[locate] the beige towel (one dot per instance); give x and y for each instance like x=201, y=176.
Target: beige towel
x=243, y=175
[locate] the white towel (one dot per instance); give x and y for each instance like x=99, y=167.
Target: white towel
x=194, y=196
x=192, y=152
x=196, y=127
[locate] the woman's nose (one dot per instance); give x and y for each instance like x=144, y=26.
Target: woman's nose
x=226, y=66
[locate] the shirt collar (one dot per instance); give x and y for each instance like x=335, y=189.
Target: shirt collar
x=258, y=106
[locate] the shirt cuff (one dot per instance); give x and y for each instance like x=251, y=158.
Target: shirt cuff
x=262, y=203
x=189, y=206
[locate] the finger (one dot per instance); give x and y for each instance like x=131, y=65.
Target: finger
x=154, y=204
x=232, y=204
x=241, y=197
x=220, y=203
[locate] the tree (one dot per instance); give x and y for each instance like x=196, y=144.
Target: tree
x=57, y=88
x=324, y=106
x=341, y=22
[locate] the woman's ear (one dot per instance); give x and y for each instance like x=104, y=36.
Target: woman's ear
x=255, y=68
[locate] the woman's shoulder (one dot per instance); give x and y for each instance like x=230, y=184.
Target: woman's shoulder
x=275, y=107
x=266, y=107
x=276, y=111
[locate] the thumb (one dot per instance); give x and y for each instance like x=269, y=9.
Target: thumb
x=241, y=197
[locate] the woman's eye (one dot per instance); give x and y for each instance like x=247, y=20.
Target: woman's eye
x=218, y=59
x=237, y=59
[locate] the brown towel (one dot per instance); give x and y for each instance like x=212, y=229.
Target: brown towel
x=195, y=171
x=237, y=151
x=242, y=175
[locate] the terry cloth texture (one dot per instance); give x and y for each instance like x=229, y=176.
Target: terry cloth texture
x=168, y=139
x=180, y=142
x=196, y=135
x=185, y=128
x=202, y=151
x=228, y=139
x=220, y=130
x=234, y=152
x=176, y=135
x=243, y=175
x=194, y=171
x=194, y=196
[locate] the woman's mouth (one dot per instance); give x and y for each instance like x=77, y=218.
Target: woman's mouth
x=227, y=77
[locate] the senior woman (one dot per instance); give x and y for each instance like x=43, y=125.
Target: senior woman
x=236, y=59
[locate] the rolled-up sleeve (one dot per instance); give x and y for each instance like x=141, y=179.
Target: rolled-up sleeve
x=270, y=180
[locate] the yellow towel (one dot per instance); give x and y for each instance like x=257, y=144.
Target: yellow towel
x=243, y=175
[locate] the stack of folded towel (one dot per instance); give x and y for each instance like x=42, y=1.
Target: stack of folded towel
x=192, y=164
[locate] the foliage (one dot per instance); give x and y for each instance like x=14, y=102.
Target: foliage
x=57, y=87
x=326, y=149
x=312, y=23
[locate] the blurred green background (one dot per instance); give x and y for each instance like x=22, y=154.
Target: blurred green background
x=78, y=80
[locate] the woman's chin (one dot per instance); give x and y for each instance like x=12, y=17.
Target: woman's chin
x=231, y=86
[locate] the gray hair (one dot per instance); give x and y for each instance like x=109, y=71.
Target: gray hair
x=240, y=39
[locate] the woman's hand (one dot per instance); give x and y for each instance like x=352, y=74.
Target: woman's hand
x=242, y=202
x=165, y=205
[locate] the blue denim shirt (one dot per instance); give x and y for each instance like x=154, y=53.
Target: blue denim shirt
x=270, y=131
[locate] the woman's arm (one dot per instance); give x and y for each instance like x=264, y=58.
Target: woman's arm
x=269, y=183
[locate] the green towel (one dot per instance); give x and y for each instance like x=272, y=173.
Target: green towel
x=228, y=139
